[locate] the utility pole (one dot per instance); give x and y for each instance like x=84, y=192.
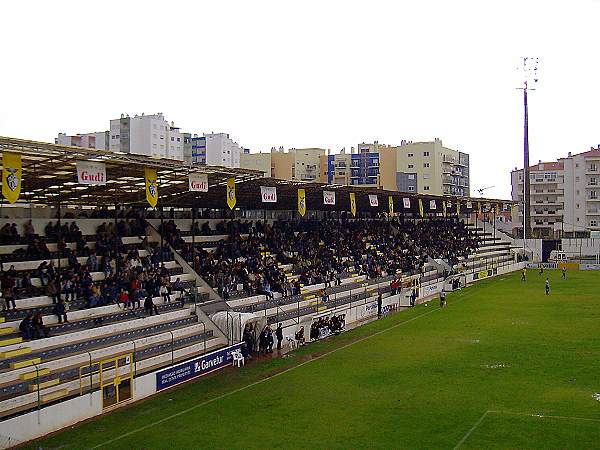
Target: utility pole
x=530, y=78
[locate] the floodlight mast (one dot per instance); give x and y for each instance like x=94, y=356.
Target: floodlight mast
x=530, y=78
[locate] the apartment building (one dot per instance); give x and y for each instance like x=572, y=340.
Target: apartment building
x=98, y=140
x=425, y=168
x=546, y=197
x=150, y=135
x=564, y=197
x=257, y=161
x=358, y=168
x=307, y=163
x=215, y=149
x=582, y=192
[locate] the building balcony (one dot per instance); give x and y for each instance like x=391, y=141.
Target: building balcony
x=593, y=212
x=452, y=160
x=556, y=212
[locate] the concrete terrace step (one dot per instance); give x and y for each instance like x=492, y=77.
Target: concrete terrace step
x=116, y=315
x=64, y=339
x=97, y=345
x=112, y=349
x=77, y=311
x=20, y=386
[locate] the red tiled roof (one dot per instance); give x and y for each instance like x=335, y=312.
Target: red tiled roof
x=554, y=165
x=592, y=152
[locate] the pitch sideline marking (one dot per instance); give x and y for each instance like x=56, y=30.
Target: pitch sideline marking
x=473, y=428
x=227, y=394
x=540, y=416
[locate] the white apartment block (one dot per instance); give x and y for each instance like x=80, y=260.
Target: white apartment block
x=98, y=140
x=564, y=197
x=582, y=191
x=149, y=135
x=216, y=149
x=546, y=197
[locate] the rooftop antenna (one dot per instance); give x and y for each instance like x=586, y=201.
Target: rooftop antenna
x=482, y=190
x=530, y=78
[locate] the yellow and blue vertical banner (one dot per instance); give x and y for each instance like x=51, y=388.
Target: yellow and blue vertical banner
x=478, y=207
x=151, y=186
x=231, y=200
x=444, y=207
x=353, y=203
x=391, y=205
x=421, y=208
x=12, y=172
x=457, y=207
x=302, y=202
x=498, y=209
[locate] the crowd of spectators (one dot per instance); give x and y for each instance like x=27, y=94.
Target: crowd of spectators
x=130, y=276
x=319, y=251
x=325, y=326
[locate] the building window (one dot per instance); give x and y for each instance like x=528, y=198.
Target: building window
x=410, y=155
x=411, y=176
x=178, y=139
x=577, y=205
x=577, y=192
x=411, y=189
x=172, y=139
x=411, y=166
x=577, y=179
x=593, y=167
x=593, y=195
x=426, y=176
x=593, y=181
x=425, y=153
x=593, y=223
x=426, y=165
x=425, y=188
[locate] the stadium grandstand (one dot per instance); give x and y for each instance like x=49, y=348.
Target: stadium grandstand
x=107, y=295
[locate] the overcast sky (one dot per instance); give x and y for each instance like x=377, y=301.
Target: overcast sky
x=312, y=73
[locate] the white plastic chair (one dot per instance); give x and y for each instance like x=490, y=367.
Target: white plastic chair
x=291, y=343
x=238, y=358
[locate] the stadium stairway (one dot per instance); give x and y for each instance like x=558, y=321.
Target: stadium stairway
x=491, y=252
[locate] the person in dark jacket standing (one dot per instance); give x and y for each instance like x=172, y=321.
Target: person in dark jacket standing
x=149, y=305
x=60, y=311
x=279, y=335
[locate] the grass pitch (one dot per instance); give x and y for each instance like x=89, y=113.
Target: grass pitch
x=503, y=366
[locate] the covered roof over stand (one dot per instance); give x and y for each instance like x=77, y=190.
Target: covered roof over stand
x=248, y=197
x=50, y=175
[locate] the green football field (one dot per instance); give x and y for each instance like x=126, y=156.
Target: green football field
x=503, y=366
